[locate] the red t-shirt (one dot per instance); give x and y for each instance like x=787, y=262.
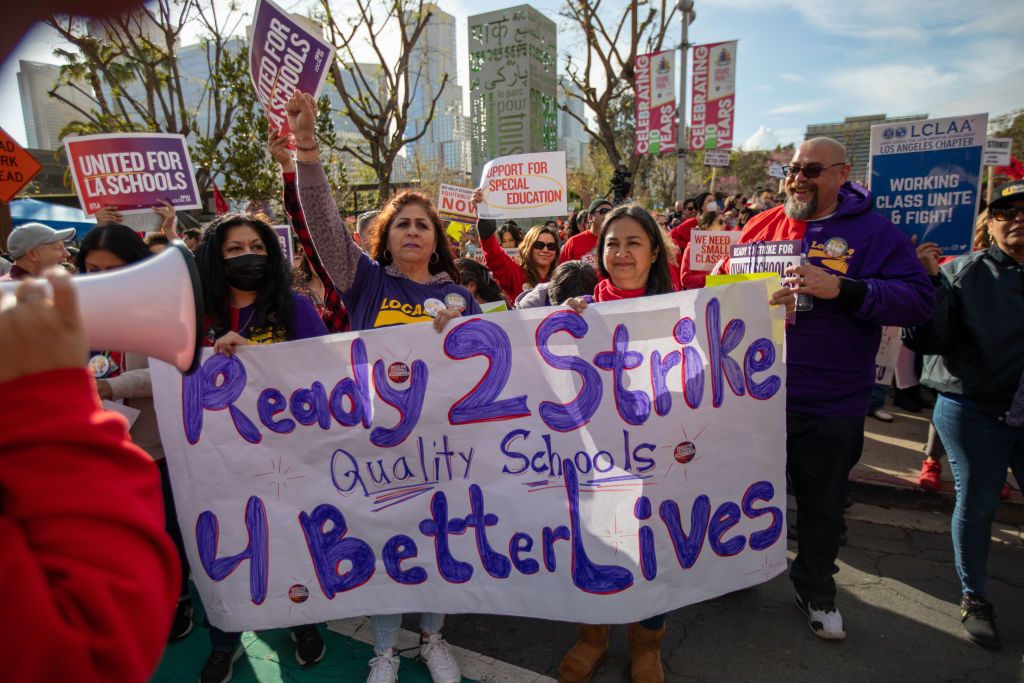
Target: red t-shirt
x=581, y=247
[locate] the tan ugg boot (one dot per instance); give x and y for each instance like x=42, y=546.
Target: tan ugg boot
x=581, y=661
x=645, y=654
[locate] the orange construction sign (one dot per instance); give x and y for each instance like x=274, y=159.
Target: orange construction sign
x=17, y=167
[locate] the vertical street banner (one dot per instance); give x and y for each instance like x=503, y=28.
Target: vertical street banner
x=713, y=96
x=603, y=467
x=132, y=172
x=655, y=102
x=925, y=177
x=524, y=186
x=284, y=56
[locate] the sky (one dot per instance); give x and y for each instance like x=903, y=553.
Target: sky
x=798, y=62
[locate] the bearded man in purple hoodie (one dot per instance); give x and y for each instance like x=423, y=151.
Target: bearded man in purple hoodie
x=862, y=273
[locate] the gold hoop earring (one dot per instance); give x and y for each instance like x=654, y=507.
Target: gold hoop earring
x=387, y=254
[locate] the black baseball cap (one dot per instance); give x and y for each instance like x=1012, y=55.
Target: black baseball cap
x=1007, y=193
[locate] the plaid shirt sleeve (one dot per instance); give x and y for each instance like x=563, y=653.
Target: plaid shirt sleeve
x=332, y=297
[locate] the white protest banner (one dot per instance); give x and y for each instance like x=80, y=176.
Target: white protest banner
x=601, y=468
x=888, y=354
x=524, y=186
x=132, y=172
x=284, y=56
x=655, y=102
x=708, y=247
x=925, y=177
x=997, y=151
x=775, y=170
x=764, y=257
x=455, y=203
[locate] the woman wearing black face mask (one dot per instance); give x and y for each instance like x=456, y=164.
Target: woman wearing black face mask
x=247, y=287
x=249, y=299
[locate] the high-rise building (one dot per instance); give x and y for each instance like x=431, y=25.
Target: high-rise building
x=855, y=133
x=571, y=135
x=45, y=116
x=512, y=70
x=434, y=57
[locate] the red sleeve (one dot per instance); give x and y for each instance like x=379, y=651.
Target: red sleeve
x=332, y=297
x=674, y=275
x=90, y=579
x=681, y=235
x=507, y=272
x=688, y=278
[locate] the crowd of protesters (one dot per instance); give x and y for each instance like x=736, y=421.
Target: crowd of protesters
x=962, y=321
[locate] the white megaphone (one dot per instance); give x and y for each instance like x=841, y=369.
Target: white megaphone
x=153, y=307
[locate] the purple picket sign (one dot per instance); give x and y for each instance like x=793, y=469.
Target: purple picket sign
x=285, y=56
x=132, y=172
x=284, y=235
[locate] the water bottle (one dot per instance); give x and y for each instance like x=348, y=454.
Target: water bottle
x=804, y=302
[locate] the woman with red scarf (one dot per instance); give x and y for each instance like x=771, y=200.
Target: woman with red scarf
x=633, y=263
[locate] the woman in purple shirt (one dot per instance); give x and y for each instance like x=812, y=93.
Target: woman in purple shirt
x=408, y=276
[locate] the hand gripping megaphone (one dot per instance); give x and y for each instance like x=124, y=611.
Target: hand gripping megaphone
x=153, y=307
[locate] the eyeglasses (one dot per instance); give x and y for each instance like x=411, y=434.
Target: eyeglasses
x=1006, y=213
x=550, y=246
x=809, y=171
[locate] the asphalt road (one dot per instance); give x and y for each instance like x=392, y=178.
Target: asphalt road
x=898, y=595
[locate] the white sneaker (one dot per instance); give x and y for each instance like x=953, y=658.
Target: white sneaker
x=439, y=659
x=823, y=618
x=384, y=669
x=882, y=415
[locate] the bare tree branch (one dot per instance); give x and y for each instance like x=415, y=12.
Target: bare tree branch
x=378, y=103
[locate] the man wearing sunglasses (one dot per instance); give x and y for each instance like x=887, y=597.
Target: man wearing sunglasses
x=583, y=247
x=978, y=330
x=863, y=273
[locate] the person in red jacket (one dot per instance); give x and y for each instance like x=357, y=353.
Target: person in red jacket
x=90, y=579
x=680, y=233
x=538, y=253
x=688, y=277
x=634, y=263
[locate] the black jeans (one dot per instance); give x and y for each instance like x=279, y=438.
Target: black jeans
x=820, y=452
